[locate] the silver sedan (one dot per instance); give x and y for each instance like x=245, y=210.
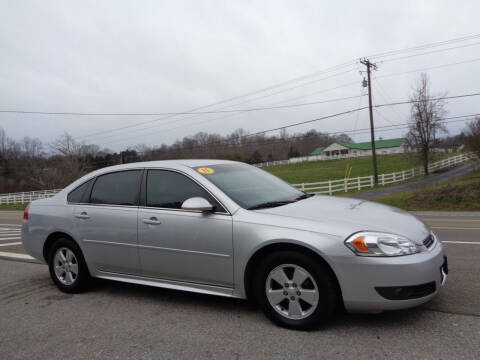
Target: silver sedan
x=230, y=229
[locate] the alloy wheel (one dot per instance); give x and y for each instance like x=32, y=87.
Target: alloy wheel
x=65, y=266
x=292, y=291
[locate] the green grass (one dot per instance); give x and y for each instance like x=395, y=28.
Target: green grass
x=20, y=207
x=367, y=189
x=335, y=169
x=462, y=194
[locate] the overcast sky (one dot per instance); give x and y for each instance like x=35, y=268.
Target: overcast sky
x=173, y=56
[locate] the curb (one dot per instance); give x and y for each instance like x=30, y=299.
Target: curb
x=18, y=257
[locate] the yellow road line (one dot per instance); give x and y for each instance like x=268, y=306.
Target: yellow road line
x=462, y=242
x=453, y=220
x=454, y=228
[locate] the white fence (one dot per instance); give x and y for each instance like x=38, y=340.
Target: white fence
x=358, y=183
x=361, y=153
x=24, y=197
x=305, y=159
x=322, y=187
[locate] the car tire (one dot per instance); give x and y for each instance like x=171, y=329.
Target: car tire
x=67, y=266
x=303, y=306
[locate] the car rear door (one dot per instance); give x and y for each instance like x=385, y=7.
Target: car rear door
x=181, y=245
x=106, y=224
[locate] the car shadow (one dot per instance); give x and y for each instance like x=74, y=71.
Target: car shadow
x=168, y=295
x=388, y=319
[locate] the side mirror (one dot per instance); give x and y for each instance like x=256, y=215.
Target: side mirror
x=197, y=204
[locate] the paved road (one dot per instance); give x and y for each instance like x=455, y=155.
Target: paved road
x=434, y=179
x=121, y=321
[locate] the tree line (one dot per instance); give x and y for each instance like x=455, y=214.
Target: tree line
x=29, y=164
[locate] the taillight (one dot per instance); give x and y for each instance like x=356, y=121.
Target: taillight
x=25, y=213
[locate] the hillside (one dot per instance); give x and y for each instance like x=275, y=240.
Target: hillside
x=335, y=169
x=461, y=194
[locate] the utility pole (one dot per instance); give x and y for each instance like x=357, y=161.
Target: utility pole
x=370, y=66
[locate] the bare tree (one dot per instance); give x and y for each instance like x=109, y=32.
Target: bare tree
x=31, y=147
x=69, y=164
x=3, y=141
x=66, y=145
x=472, y=135
x=425, y=123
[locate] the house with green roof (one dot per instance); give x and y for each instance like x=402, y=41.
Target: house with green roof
x=348, y=149
x=318, y=151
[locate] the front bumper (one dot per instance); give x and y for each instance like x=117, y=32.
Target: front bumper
x=411, y=280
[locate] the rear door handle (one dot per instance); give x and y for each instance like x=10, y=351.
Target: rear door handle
x=83, y=215
x=152, y=221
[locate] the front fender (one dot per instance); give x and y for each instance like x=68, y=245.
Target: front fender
x=249, y=238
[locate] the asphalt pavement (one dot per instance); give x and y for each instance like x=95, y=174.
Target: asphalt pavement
x=122, y=321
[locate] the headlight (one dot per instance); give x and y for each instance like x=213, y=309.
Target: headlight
x=381, y=244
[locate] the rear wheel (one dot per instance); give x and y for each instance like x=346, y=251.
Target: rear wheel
x=296, y=291
x=67, y=266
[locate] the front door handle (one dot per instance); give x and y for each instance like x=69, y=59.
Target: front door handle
x=152, y=221
x=83, y=215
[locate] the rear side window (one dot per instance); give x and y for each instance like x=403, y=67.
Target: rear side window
x=169, y=189
x=119, y=188
x=76, y=196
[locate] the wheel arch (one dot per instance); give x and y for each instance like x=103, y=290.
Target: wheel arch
x=260, y=253
x=50, y=240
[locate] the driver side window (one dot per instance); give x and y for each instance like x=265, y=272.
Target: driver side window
x=169, y=189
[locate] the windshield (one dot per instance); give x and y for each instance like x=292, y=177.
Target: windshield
x=249, y=186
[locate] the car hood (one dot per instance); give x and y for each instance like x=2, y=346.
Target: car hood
x=345, y=216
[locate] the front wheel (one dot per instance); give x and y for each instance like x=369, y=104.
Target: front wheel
x=295, y=290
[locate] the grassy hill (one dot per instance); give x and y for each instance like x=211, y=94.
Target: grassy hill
x=462, y=194
x=335, y=169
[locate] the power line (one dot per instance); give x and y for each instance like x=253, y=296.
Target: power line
x=359, y=104
x=345, y=85
x=192, y=112
x=188, y=113
x=332, y=69
x=429, y=52
x=308, y=121
x=226, y=143
x=357, y=109
x=437, y=98
x=428, y=68
x=381, y=76
x=301, y=78
x=383, y=116
x=424, y=46
x=228, y=111
x=383, y=94
x=161, y=130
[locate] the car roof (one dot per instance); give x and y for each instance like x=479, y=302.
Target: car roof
x=173, y=164
x=170, y=163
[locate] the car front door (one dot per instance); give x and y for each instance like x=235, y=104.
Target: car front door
x=107, y=224
x=181, y=245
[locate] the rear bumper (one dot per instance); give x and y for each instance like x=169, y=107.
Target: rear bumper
x=32, y=244
x=378, y=284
